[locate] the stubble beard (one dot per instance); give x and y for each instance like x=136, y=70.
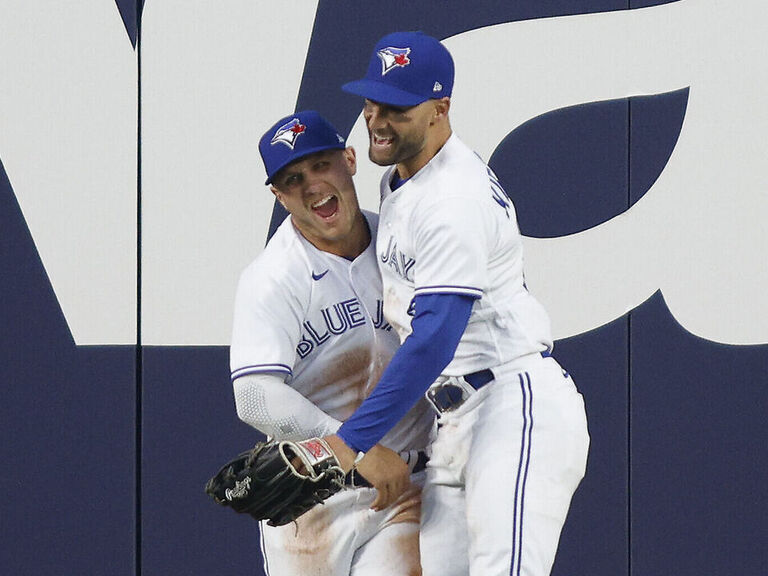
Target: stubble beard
x=401, y=151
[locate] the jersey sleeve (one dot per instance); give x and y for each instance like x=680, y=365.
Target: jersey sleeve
x=265, y=329
x=267, y=403
x=451, y=248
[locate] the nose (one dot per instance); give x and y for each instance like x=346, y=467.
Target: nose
x=312, y=183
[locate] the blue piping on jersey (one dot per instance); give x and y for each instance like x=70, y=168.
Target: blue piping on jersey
x=443, y=288
x=259, y=368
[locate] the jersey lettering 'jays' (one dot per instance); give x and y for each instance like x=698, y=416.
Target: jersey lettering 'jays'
x=397, y=261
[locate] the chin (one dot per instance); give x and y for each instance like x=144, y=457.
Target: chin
x=380, y=161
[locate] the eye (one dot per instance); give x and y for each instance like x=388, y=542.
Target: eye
x=398, y=113
x=292, y=180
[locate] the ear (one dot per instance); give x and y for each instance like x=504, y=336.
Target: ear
x=442, y=107
x=350, y=158
x=277, y=194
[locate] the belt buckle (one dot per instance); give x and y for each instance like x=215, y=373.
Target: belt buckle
x=442, y=397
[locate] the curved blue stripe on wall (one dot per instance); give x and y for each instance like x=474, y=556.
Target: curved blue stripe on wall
x=655, y=124
x=568, y=170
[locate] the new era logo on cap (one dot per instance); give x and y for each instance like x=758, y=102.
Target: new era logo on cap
x=288, y=132
x=392, y=58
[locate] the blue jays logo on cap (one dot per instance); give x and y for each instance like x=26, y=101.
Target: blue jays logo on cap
x=392, y=58
x=288, y=133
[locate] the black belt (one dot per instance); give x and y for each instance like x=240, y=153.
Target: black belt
x=448, y=397
x=356, y=480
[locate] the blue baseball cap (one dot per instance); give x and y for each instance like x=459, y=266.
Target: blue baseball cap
x=406, y=69
x=296, y=136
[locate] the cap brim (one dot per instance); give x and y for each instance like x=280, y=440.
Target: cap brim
x=302, y=154
x=382, y=93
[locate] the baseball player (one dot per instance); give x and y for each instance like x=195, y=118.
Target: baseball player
x=309, y=342
x=511, y=445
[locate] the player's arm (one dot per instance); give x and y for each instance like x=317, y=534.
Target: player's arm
x=265, y=332
x=267, y=403
x=451, y=239
x=437, y=326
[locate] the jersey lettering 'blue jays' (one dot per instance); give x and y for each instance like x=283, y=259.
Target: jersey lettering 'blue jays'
x=337, y=319
x=318, y=318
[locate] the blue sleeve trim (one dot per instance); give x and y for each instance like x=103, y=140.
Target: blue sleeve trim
x=259, y=368
x=448, y=289
x=437, y=327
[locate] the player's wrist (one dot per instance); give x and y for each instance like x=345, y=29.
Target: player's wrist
x=358, y=458
x=345, y=455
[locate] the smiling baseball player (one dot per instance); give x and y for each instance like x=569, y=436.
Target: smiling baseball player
x=512, y=441
x=309, y=343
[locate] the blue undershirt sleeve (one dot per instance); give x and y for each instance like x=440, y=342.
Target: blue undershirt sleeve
x=437, y=327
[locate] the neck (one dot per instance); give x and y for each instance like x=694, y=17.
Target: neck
x=358, y=239
x=434, y=144
x=351, y=246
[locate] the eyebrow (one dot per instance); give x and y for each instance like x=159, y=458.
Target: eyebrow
x=291, y=170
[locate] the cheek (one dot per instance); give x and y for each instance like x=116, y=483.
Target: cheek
x=290, y=203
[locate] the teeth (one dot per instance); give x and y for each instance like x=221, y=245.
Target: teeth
x=323, y=201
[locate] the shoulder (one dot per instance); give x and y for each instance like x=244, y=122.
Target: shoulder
x=459, y=164
x=281, y=265
x=457, y=191
x=456, y=171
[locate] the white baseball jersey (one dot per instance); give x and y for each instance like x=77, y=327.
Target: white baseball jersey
x=454, y=215
x=318, y=319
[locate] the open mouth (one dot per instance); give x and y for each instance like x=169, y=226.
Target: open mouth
x=381, y=142
x=326, y=207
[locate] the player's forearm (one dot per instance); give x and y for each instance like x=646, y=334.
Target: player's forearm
x=265, y=402
x=438, y=325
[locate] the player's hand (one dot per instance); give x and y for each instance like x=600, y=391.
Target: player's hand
x=387, y=472
x=383, y=468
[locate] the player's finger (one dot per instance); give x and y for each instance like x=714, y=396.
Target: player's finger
x=298, y=465
x=382, y=499
x=397, y=489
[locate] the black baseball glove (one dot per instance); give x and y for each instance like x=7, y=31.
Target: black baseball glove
x=278, y=481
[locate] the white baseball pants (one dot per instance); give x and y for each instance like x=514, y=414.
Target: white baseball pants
x=502, y=471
